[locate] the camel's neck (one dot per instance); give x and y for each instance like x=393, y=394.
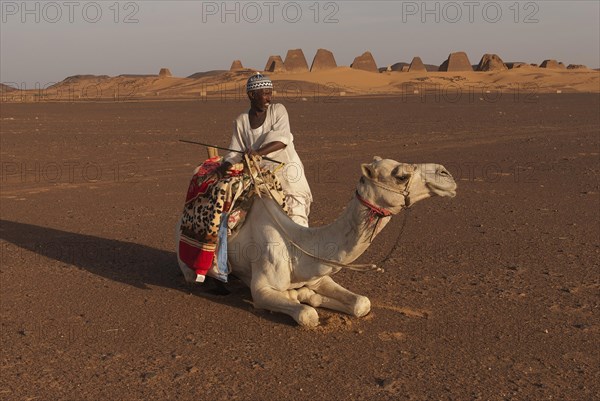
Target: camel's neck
x=351, y=234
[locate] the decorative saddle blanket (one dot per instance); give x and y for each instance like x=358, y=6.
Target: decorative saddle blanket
x=216, y=208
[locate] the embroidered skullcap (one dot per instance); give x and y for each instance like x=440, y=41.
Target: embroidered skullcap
x=258, y=81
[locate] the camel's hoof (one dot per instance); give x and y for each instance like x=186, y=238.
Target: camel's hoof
x=308, y=317
x=307, y=296
x=362, y=306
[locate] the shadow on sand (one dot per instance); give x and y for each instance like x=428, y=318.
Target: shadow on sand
x=134, y=264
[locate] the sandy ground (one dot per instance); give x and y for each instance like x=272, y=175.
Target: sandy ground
x=333, y=83
x=492, y=295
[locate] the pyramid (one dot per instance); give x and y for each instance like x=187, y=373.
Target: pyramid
x=295, y=61
x=236, y=66
x=275, y=64
x=457, y=62
x=323, y=60
x=416, y=65
x=491, y=62
x=576, y=67
x=165, y=73
x=550, y=64
x=365, y=62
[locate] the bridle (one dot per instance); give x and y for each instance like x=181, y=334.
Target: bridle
x=378, y=211
x=375, y=211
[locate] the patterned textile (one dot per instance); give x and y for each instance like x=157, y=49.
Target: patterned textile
x=207, y=201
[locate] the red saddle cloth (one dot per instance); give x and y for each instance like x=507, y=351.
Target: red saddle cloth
x=206, y=200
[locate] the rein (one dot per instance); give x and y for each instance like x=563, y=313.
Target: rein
x=374, y=211
x=355, y=267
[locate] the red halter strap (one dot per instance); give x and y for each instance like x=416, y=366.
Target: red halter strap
x=374, y=212
x=374, y=209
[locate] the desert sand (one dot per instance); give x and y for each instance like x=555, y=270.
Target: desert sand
x=333, y=82
x=492, y=295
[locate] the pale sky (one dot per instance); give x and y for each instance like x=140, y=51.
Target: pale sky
x=46, y=41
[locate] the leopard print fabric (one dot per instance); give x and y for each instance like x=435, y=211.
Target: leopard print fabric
x=208, y=199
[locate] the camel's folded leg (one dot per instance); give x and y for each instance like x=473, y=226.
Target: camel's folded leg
x=334, y=296
x=308, y=296
x=285, y=302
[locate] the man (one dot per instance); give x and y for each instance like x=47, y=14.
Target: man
x=265, y=131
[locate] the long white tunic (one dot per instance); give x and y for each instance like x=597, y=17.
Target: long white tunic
x=275, y=128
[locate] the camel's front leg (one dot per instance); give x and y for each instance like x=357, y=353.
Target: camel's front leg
x=266, y=297
x=334, y=296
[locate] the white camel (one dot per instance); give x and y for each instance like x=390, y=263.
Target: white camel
x=288, y=267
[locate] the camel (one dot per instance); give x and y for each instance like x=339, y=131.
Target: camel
x=288, y=267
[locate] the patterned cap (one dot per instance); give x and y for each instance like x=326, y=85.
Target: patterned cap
x=258, y=81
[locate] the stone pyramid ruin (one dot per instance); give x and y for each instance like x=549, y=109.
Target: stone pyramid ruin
x=323, y=60
x=295, y=61
x=457, y=61
x=416, y=65
x=491, y=62
x=275, y=64
x=165, y=73
x=550, y=64
x=236, y=66
x=365, y=62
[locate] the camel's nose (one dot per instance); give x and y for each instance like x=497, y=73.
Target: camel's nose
x=443, y=172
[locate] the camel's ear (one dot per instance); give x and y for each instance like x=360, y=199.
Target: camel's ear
x=377, y=159
x=368, y=170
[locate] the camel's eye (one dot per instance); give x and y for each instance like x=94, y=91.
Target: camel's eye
x=399, y=175
x=402, y=178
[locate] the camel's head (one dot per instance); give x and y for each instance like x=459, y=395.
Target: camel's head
x=393, y=186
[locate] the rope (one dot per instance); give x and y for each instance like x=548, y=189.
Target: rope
x=354, y=267
x=395, y=246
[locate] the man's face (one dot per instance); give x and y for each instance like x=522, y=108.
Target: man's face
x=260, y=98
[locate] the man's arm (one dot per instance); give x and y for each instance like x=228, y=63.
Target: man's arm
x=264, y=150
x=280, y=131
x=268, y=148
x=280, y=135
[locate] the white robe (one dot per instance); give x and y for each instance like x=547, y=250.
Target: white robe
x=276, y=128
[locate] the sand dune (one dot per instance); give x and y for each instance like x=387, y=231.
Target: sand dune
x=6, y=88
x=340, y=81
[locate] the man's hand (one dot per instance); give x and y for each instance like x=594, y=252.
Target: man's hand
x=254, y=155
